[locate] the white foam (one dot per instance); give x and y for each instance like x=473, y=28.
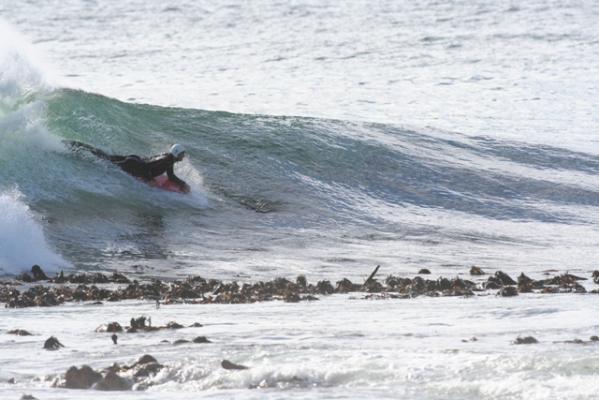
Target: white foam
x=25, y=127
x=23, y=75
x=22, y=241
x=197, y=196
x=22, y=68
x=336, y=347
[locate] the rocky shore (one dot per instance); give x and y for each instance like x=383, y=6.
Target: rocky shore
x=136, y=376
x=37, y=289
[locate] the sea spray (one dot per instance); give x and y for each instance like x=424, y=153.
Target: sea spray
x=22, y=241
x=23, y=69
x=24, y=76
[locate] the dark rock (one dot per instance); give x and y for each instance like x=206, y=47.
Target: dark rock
x=60, y=278
x=47, y=299
x=508, y=291
x=524, y=280
x=147, y=369
x=373, y=286
x=344, y=286
x=38, y=274
x=201, y=339
x=114, y=338
x=11, y=381
x=198, y=290
x=443, y=284
x=417, y=287
x=324, y=287
x=110, y=327
x=113, y=382
x=195, y=325
x=504, y=278
x=119, y=278
x=115, y=367
x=301, y=281
x=574, y=277
x=138, y=323
x=476, y=271
x=565, y=281
x=525, y=284
x=291, y=297
x=19, y=332
x=52, y=344
x=596, y=277
x=397, y=283
x=493, y=283
x=424, y=271
x=455, y=292
x=180, y=341
x=174, y=325
x=81, y=378
x=594, y=338
x=281, y=284
x=579, y=288
x=226, y=364
x=146, y=359
x=525, y=340
x=28, y=397
x=458, y=283
x=145, y=366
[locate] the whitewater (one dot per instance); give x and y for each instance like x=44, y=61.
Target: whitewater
x=323, y=139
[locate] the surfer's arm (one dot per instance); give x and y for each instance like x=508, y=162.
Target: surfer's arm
x=171, y=175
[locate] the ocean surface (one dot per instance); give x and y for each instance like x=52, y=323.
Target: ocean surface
x=323, y=138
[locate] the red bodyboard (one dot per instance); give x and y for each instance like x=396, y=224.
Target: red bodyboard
x=162, y=182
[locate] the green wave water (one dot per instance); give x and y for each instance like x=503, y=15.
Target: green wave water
x=263, y=186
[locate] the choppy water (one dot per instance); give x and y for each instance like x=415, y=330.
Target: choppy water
x=322, y=138
x=412, y=349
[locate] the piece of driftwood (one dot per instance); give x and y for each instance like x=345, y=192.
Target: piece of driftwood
x=371, y=276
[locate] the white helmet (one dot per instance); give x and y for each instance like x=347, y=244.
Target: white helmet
x=177, y=150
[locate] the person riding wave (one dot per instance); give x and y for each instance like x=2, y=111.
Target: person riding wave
x=146, y=168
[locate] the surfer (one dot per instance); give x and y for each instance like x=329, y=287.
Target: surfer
x=143, y=168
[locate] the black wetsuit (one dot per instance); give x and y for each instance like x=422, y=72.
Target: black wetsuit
x=145, y=168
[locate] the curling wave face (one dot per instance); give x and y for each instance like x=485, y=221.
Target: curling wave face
x=266, y=188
